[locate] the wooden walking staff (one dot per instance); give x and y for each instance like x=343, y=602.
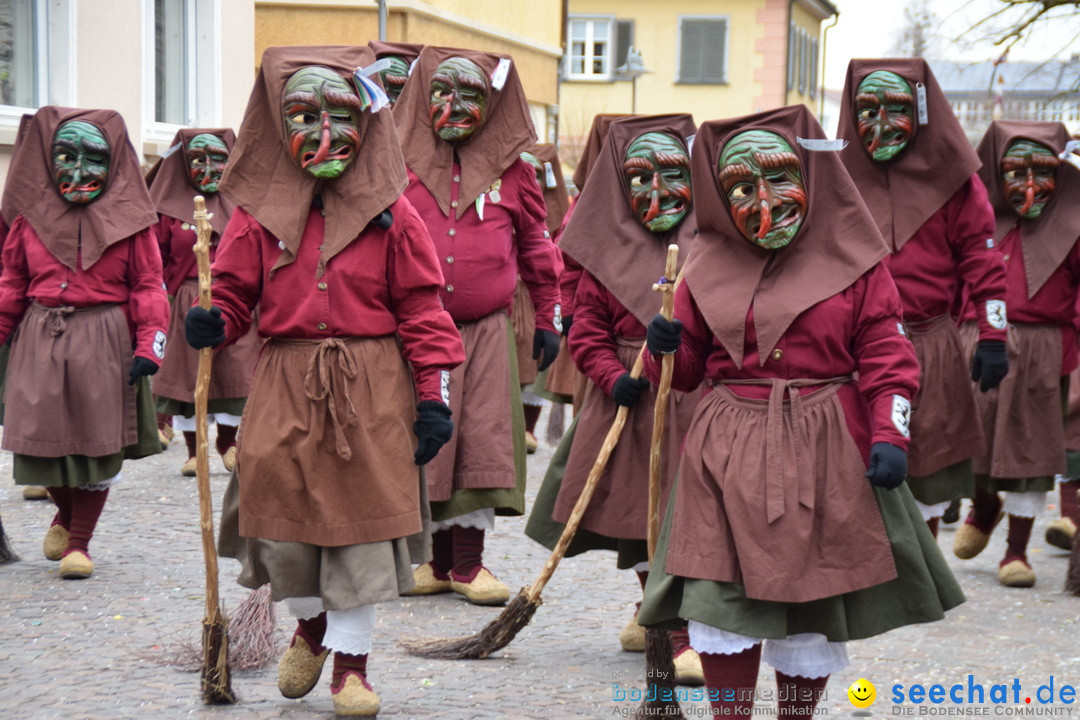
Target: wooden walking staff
x=659, y=664
x=216, y=685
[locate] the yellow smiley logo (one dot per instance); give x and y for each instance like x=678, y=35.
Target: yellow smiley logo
x=862, y=693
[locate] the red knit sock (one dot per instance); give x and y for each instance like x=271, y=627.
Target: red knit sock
x=1019, y=534
x=312, y=630
x=468, y=553
x=61, y=497
x=932, y=523
x=442, y=553
x=532, y=414
x=344, y=663
x=735, y=678
x=984, y=510
x=1070, y=504
x=798, y=696
x=189, y=440
x=86, y=507
x=163, y=421
x=226, y=437
x=680, y=640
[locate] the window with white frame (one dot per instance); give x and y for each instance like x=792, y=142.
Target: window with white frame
x=34, y=56
x=590, y=47
x=180, y=64
x=703, y=45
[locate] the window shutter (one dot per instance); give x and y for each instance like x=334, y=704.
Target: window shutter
x=802, y=61
x=702, y=52
x=624, y=38
x=792, y=59
x=813, y=67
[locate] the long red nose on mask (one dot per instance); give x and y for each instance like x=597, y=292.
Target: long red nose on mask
x=879, y=127
x=1029, y=196
x=654, y=202
x=765, y=210
x=444, y=116
x=324, y=142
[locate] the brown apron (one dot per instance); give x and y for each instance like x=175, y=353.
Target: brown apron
x=67, y=391
x=233, y=364
x=619, y=507
x=523, y=319
x=326, y=444
x=1021, y=417
x=772, y=495
x=945, y=425
x=480, y=454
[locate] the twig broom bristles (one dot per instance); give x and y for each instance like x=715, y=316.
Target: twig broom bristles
x=216, y=685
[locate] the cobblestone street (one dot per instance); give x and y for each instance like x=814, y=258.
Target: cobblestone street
x=87, y=649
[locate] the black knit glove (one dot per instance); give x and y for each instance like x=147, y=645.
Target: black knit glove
x=433, y=428
x=204, y=328
x=888, y=465
x=989, y=364
x=545, y=347
x=567, y=321
x=663, y=336
x=139, y=367
x=627, y=390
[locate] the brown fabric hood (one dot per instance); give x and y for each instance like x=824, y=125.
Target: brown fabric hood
x=409, y=51
x=593, y=144
x=123, y=209
x=1048, y=238
x=905, y=192
x=556, y=199
x=264, y=179
x=171, y=188
x=837, y=243
x=604, y=236
x=506, y=133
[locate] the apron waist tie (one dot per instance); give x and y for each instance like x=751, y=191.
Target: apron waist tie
x=778, y=475
x=329, y=368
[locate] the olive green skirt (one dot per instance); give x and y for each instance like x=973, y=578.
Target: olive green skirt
x=83, y=470
x=1043, y=483
x=954, y=482
x=506, y=501
x=922, y=591
x=231, y=406
x=544, y=529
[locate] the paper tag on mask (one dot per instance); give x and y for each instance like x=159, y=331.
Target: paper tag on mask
x=372, y=95
x=170, y=151
x=920, y=104
x=498, y=78
x=549, y=176
x=690, y=143
x=821, y=144
x=1070, y=156
x=480, y=206
x=377, y=66
x=411, y=66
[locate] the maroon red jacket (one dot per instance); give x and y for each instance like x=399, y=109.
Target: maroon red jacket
x=598, y=319
x=127, y=274
x=481, y=259
x=384, y=282
x=954, y=246
x=857, y=330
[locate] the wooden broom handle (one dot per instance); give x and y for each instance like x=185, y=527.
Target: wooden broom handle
x=612, y=438
x=667, y=309
x=203, y=231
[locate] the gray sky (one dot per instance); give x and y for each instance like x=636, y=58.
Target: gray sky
x=855, y=35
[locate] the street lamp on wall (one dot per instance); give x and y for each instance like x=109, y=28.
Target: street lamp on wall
x=633, y=68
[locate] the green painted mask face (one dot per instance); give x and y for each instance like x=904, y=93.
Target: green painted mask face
x=394, y=77
x=1027, y=177
x=537, y=166
x=761, y=177
x=459, y=95
x=322, y=121
x=657, y=171
x=80, y=158
x=206, y=159
x=885, y=114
